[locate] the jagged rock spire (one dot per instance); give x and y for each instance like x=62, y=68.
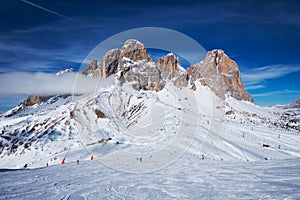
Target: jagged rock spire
x=221, y=74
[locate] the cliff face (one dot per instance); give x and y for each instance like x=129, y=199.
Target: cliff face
x=90, y=69
x=133, y=65
x=109, y=64
x=221, y=74
x=171, y=69
x=134, y=50
x=141, y=75
x=33, y=99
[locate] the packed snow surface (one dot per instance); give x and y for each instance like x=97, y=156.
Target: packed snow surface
x=185, y=179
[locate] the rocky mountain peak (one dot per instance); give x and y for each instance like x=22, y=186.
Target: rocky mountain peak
x=296, y=103
x=221, y=74
x=215, y=56
x=135, y=50
x=220, y=62
x=111, y=62
x=62, y=72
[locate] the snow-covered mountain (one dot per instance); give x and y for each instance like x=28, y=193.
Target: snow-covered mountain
x=60, y=73
x=148, y=111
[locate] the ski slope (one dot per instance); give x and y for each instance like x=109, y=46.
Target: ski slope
x=157, y=127
x=173, y=144
x=187, y=178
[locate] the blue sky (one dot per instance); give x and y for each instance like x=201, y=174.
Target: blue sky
x=263, y=37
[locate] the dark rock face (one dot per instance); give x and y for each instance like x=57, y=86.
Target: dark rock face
x=143, y=75
x=109, y=64
x=100, y=114
x=32, y=100
x=296, y=103
x=221, y=74
x=194, y=74
x=134, y=65
x=89, y=70
x=171, y=69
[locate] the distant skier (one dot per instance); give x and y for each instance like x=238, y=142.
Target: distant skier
x=77, y=161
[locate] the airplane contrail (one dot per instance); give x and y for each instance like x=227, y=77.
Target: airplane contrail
x=43, y=8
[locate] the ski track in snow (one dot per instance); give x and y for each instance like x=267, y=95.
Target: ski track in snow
x=198, y=179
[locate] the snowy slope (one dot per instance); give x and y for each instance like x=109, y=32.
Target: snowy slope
x=157, y=127
x=173, y=144
x=186, y=179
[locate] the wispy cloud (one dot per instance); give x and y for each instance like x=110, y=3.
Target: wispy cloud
x=44, y=9
x=23, y=57
x=254, y=87
x=256, y=76
x=46, y=83
x=275, y=93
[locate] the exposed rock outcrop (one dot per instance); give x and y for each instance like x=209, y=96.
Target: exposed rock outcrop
x=100, y=114
x=32, y=100
x=90, y=69
x=135, y=50
x=133, y=65
x=296, y=103
x=142, y=75
x=194, y=74
x=171, y=69
x=221, y=74
x=109, y=64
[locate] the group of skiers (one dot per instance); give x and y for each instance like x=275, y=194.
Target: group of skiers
x=64, y=160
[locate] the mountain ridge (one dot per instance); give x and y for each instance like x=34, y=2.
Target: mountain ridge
x=217, y=70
